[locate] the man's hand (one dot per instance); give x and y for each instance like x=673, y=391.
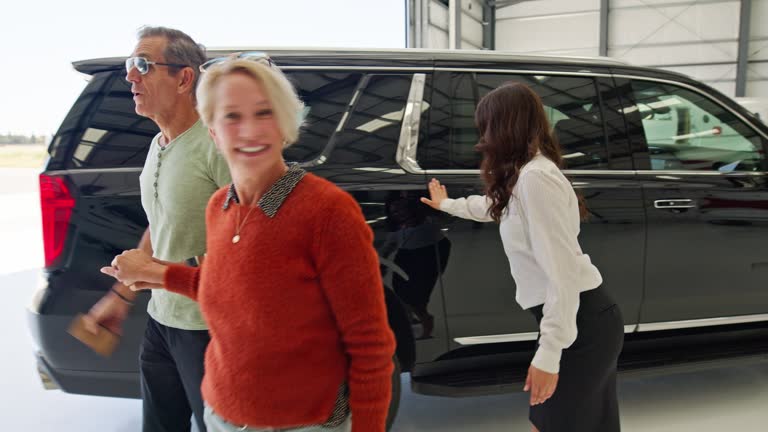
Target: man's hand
x=109, y=312
x=541, y=384
x=437, y=194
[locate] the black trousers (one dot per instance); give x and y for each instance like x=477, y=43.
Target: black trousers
x=171, y=364
x=585, y=399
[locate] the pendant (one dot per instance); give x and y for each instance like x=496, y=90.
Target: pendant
x=236, y=238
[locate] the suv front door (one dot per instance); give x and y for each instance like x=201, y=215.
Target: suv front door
x=706, y=197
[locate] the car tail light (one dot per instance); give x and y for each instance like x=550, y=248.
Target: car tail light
x=56, y=204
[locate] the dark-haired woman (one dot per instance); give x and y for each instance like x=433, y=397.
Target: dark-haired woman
x=572, y=377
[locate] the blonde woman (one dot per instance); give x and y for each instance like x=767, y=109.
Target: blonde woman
x=290, y=285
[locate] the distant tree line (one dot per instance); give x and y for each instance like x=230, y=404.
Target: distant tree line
x=10, y=138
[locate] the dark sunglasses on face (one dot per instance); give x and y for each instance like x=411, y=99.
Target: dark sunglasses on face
x=257, y=56
x=142, y=64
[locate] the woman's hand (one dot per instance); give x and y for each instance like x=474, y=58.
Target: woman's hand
x=541, y=384
x=136, y=269
x=437, y=194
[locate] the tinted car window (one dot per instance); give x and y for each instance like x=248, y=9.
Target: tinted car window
x=113, y=135
x=369, y=129
x=685, y=130
x=355, y=115
x=572, y=105
x=326, y=96
x=117, y=137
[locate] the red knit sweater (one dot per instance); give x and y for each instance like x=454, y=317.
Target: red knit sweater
x=295, y=309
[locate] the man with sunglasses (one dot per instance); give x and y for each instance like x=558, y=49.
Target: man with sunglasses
x=182, y=170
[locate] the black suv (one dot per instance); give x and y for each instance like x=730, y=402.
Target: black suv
x=672, y=171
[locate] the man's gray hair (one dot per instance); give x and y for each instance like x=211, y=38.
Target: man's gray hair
x=181, y=49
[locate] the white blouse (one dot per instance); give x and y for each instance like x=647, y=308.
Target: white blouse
x=539, y=230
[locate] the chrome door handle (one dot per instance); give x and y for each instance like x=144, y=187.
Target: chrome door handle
x=667, y=204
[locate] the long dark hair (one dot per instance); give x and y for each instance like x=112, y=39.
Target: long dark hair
x=512, y=127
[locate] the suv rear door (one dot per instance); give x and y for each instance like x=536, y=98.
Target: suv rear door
x=479, y=292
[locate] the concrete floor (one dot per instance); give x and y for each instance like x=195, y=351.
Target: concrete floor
x=717, y=400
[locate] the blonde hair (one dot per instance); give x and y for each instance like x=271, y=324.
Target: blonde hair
x=280, y=92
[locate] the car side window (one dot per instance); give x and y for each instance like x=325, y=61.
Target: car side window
x=685, y=130
x=326, y=97
x=572, y=105
x=349, y=113
x=369, y=135
x=103, y=130
x=350, y=118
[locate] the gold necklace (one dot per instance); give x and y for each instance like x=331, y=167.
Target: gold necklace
x=239, y=225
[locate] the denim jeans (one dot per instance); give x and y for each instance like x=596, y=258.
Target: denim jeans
x=214, y=423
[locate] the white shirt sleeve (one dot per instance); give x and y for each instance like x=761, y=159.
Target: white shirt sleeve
x=474, y=207
x=544, y=206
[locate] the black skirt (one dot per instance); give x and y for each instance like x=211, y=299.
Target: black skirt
x=585, y=399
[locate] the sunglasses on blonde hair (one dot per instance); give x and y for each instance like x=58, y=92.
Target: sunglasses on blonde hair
x=257, y=56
